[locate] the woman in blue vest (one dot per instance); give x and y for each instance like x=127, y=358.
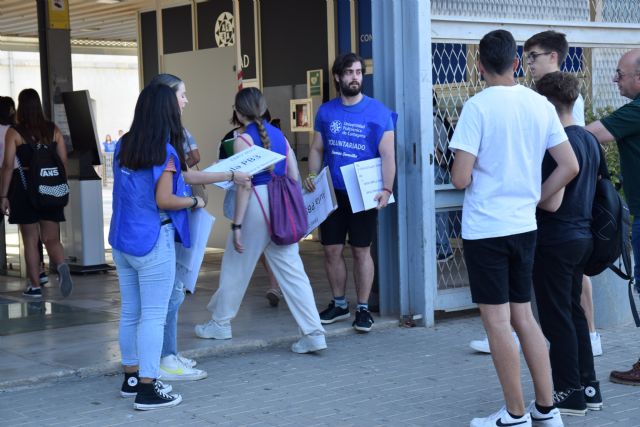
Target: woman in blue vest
x=242, y=254
x=150, y=202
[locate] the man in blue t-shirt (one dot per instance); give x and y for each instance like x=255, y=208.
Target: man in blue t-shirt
x=563, y=247
x=623, y=126
x=349, y=129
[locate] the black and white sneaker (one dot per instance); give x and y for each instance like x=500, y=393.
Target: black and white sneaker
x=570, y=402
x=32, y=292
x=364, y=321
x=64, y=280
x=150, y=396
x=333, y=313
x=131, y=385
x=44, y=279
x=592, y=396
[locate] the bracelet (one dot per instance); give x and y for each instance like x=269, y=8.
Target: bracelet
x=387, y=190
x=236, y=226
x=312, y=175
x=233, y=175
x=195, y=202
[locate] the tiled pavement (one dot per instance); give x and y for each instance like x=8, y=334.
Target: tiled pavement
x=390, y=377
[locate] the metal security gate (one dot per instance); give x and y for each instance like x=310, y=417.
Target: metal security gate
x=598, y=31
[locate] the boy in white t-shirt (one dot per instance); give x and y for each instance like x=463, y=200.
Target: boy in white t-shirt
x=500, y=141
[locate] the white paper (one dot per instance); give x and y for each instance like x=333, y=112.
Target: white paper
x=353, y=189
x=369, y=175
x=189, y=260
x=252, y=160
x=321, y=202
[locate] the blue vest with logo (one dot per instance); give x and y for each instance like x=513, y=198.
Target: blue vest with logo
x=135, y=223
x=278, y=145
x=351, y=136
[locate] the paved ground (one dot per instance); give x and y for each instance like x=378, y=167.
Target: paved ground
x=390, y=377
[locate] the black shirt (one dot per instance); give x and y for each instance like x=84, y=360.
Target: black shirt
x=572, y=221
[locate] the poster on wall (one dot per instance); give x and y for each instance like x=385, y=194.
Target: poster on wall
x=314, y=83
x=301, y=111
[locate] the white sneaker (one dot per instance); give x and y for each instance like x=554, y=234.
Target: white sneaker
x=482, y=346
x=596, y=344
x=502, y=418
x=172, y=369
x=186, y=361
x=213, y=329
x=552, y=419
x=309, y=344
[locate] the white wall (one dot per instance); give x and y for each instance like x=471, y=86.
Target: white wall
x=111, y=80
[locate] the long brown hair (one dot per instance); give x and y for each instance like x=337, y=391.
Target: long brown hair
x=31, y=117
x=251, y=103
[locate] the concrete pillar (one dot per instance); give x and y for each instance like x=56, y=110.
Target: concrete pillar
x=610, y=300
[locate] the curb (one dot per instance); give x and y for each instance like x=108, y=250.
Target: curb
x=113, y=368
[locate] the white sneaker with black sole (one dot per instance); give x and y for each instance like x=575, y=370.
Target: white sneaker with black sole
x=502, y=418
x=150, y=396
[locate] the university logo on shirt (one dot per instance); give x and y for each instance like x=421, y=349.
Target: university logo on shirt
x=335, y=126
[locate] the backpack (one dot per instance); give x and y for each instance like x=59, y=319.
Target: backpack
x=611, y=226
x=46, y=179
x=287, y=211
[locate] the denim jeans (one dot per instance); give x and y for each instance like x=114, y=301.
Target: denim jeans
x=635, y=245
x=443, y=245
x=146, y=283
x=170, y=342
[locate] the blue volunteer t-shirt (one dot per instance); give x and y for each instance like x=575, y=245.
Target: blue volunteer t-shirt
x=351, y=133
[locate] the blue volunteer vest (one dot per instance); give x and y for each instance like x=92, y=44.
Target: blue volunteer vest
x=135, y=224
x=278, y=145
x=351, y=136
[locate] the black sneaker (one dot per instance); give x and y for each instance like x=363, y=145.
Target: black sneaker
x=592, y=396
x=570, y=402
x=131, y=385
x=44, y=279
x=333, y=314
x=150, y=396
x=364, y=321
x=33, y=292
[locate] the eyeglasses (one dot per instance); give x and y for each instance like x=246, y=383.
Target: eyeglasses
x=532, y=56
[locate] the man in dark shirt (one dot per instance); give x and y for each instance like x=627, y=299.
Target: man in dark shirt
x=563, y=248
x=623, y=126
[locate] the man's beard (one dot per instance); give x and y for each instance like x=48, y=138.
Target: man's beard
x=347, y=90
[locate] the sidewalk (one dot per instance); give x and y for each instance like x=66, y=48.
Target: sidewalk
x=389, y=377
x=78, y=336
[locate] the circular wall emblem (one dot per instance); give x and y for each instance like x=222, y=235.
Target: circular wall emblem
x=335, y=126
x=225, y=30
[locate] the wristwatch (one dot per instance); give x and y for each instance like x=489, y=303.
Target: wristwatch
x=236, y=226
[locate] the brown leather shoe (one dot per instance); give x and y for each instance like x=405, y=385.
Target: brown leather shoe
x=631, y=377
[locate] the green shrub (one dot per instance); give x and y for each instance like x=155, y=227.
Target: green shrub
x=610, y=149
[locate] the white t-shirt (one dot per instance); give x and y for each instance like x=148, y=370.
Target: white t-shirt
x=508, y=129
x=578, y=111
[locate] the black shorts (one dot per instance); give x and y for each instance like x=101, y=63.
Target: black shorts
x=501, y=268
x=20, y=209
x=360, y=226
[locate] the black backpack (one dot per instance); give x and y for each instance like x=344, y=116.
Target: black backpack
x=611, y=227
x=46, y=179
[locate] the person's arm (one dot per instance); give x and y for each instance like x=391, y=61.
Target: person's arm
x=193, y=157
x=388, y=156
x=10, y=142
x=201, y=177
x=242, y=201
x=600, y=132
x=462, y=169
x=567, y=168
x=166, y=200
x=292, y=165
x=553, y=202
x=315, y=160
x=61, y=148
